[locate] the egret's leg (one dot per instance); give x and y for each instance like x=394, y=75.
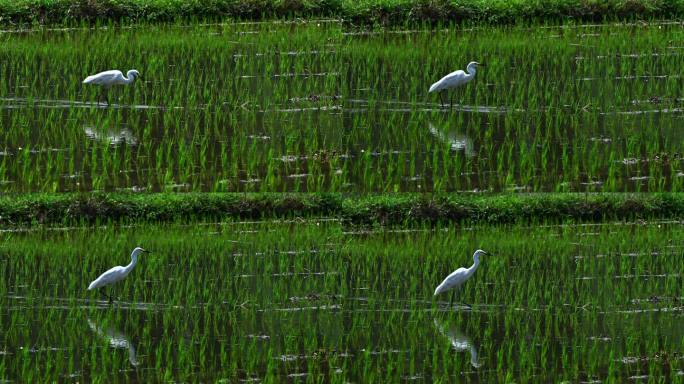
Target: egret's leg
x=451, y=300
x=441, y=99
x=104, y=95
x=108, y=297
x=451, y=100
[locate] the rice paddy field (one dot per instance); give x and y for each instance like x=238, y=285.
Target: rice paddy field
x=317, y=107
x=314, y=107
x=318, y=301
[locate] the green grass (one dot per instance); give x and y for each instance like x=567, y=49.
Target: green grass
x=266, y=300
x=313, y=108
x=383, y=12
x=389, y=209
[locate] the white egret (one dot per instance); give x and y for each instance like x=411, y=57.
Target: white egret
x=453, y=80
x=108, y=78
x=458, y=277
x=116, y=273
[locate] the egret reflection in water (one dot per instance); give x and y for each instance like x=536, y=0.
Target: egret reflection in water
x=111, y=136
x=116, y=339
x=456, y=141
x=459, y=341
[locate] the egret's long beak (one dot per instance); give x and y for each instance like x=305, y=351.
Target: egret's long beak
x=146, y=251
x=481, y=65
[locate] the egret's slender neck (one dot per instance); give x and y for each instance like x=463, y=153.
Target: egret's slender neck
x=130, y=78
x=476, y=263
x=134, y=261
x=471, y=70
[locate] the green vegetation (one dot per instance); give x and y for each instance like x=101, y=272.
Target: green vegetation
x=285, y=301
x=385, y=12
x=310, y=108
x=391, y=209
x=325, y=195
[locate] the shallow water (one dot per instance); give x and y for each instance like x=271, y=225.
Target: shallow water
x=316, y=301
x=594, y=108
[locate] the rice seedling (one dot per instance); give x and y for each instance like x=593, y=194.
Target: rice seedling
x=319, y=301
x=288, y=107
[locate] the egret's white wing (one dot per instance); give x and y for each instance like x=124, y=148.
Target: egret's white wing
x=451, y=80
x=454, y=280
x=104, y=78
x=111, y=276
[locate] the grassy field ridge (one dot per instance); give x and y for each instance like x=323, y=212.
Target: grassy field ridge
x=367, y=209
